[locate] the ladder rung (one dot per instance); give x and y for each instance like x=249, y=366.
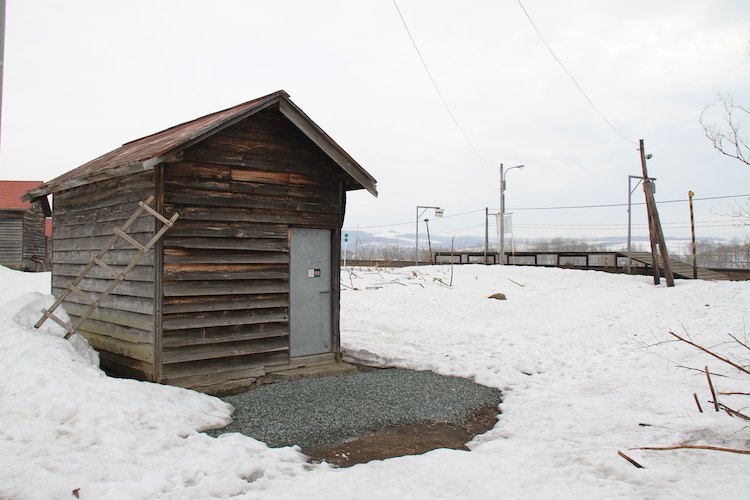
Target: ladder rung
x=156, y=214
x=130, y=240
x=60, y=322
x=115, y=274
x=82, y=294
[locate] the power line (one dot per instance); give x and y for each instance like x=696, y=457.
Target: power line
x=608, y=205
x=569, y=207
x=352, y=228
x=434, y=84
x=570, y=75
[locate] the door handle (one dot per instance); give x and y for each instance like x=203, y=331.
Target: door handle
x=326, y=291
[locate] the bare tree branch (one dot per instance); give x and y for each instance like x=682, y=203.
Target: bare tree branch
x=726, y=137
x=740, y=342
x=740, y=368
x=693, y=447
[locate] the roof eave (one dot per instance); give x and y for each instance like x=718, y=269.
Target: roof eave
x=54, y=187
x=149, y=163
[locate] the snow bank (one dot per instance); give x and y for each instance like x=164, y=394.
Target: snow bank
x=65, y=425
x=580, y=355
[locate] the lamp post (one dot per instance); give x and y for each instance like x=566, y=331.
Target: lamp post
x=502, y=210
x=438, y=213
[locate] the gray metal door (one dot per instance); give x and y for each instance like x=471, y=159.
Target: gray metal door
x=310, y=297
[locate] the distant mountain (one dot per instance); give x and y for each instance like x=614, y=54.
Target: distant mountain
x=395, y=245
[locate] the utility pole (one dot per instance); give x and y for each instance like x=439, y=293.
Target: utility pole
x=692, y=232
x=631, y=190
x=502, y=210
x=438, y=214
x=486, y=233
x=501, y=220
x=429, y=242
x=654, y=225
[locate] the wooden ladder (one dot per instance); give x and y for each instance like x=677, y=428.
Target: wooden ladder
x=118, y=276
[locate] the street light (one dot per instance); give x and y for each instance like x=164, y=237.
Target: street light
x=438, y=214
x=502, y=210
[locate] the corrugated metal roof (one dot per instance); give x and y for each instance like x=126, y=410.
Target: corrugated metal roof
x=11, y=192
x=146, y=152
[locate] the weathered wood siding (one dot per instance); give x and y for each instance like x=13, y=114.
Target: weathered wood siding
x=11, y=240
x=226, y=260
x=122, y=329
x=34, y=240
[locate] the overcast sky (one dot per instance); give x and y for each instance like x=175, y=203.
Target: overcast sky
x=83, y=77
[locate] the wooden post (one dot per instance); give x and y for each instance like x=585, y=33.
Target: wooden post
x=654, y=225
x=429, y=242
x=692, y=232
x=486, y=234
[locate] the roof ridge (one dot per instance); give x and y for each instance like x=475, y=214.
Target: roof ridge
x=272, y=94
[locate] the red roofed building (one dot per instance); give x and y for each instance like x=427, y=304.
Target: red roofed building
x=23, y=244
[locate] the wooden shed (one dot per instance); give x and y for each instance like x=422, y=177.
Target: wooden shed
x=246, y=282
x=23, y=244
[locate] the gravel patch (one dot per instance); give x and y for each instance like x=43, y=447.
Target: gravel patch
x=320, y=411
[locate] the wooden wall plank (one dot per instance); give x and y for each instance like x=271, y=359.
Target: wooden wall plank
x=216, y=335
x=98, y=242
x=190, y=272
x=257, y=244
x=228, y=229
x=222, y=366
x=224, y=318
x=189, y=256
x=137, y=273
x=139, y=321
x=233, y=287
x=115, y=257
x=228, y=349
x=139, y=305
x=173, y=305
x=129, y=288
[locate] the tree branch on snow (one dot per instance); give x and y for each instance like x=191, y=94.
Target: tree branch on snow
x=740, y=342
x=713, y=393
x=693, y=447
x=635, y=464
x=731, y=412
x=707, y=351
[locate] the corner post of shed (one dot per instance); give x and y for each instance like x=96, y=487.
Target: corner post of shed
x=158, y=276
x=336, y=278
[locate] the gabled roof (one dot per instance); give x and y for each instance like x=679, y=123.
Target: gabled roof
x=147, y=152
x=11, y=192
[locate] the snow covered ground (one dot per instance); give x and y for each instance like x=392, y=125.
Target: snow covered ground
x=580, y=355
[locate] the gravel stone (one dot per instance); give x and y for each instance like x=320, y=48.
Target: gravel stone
x=328, y=410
